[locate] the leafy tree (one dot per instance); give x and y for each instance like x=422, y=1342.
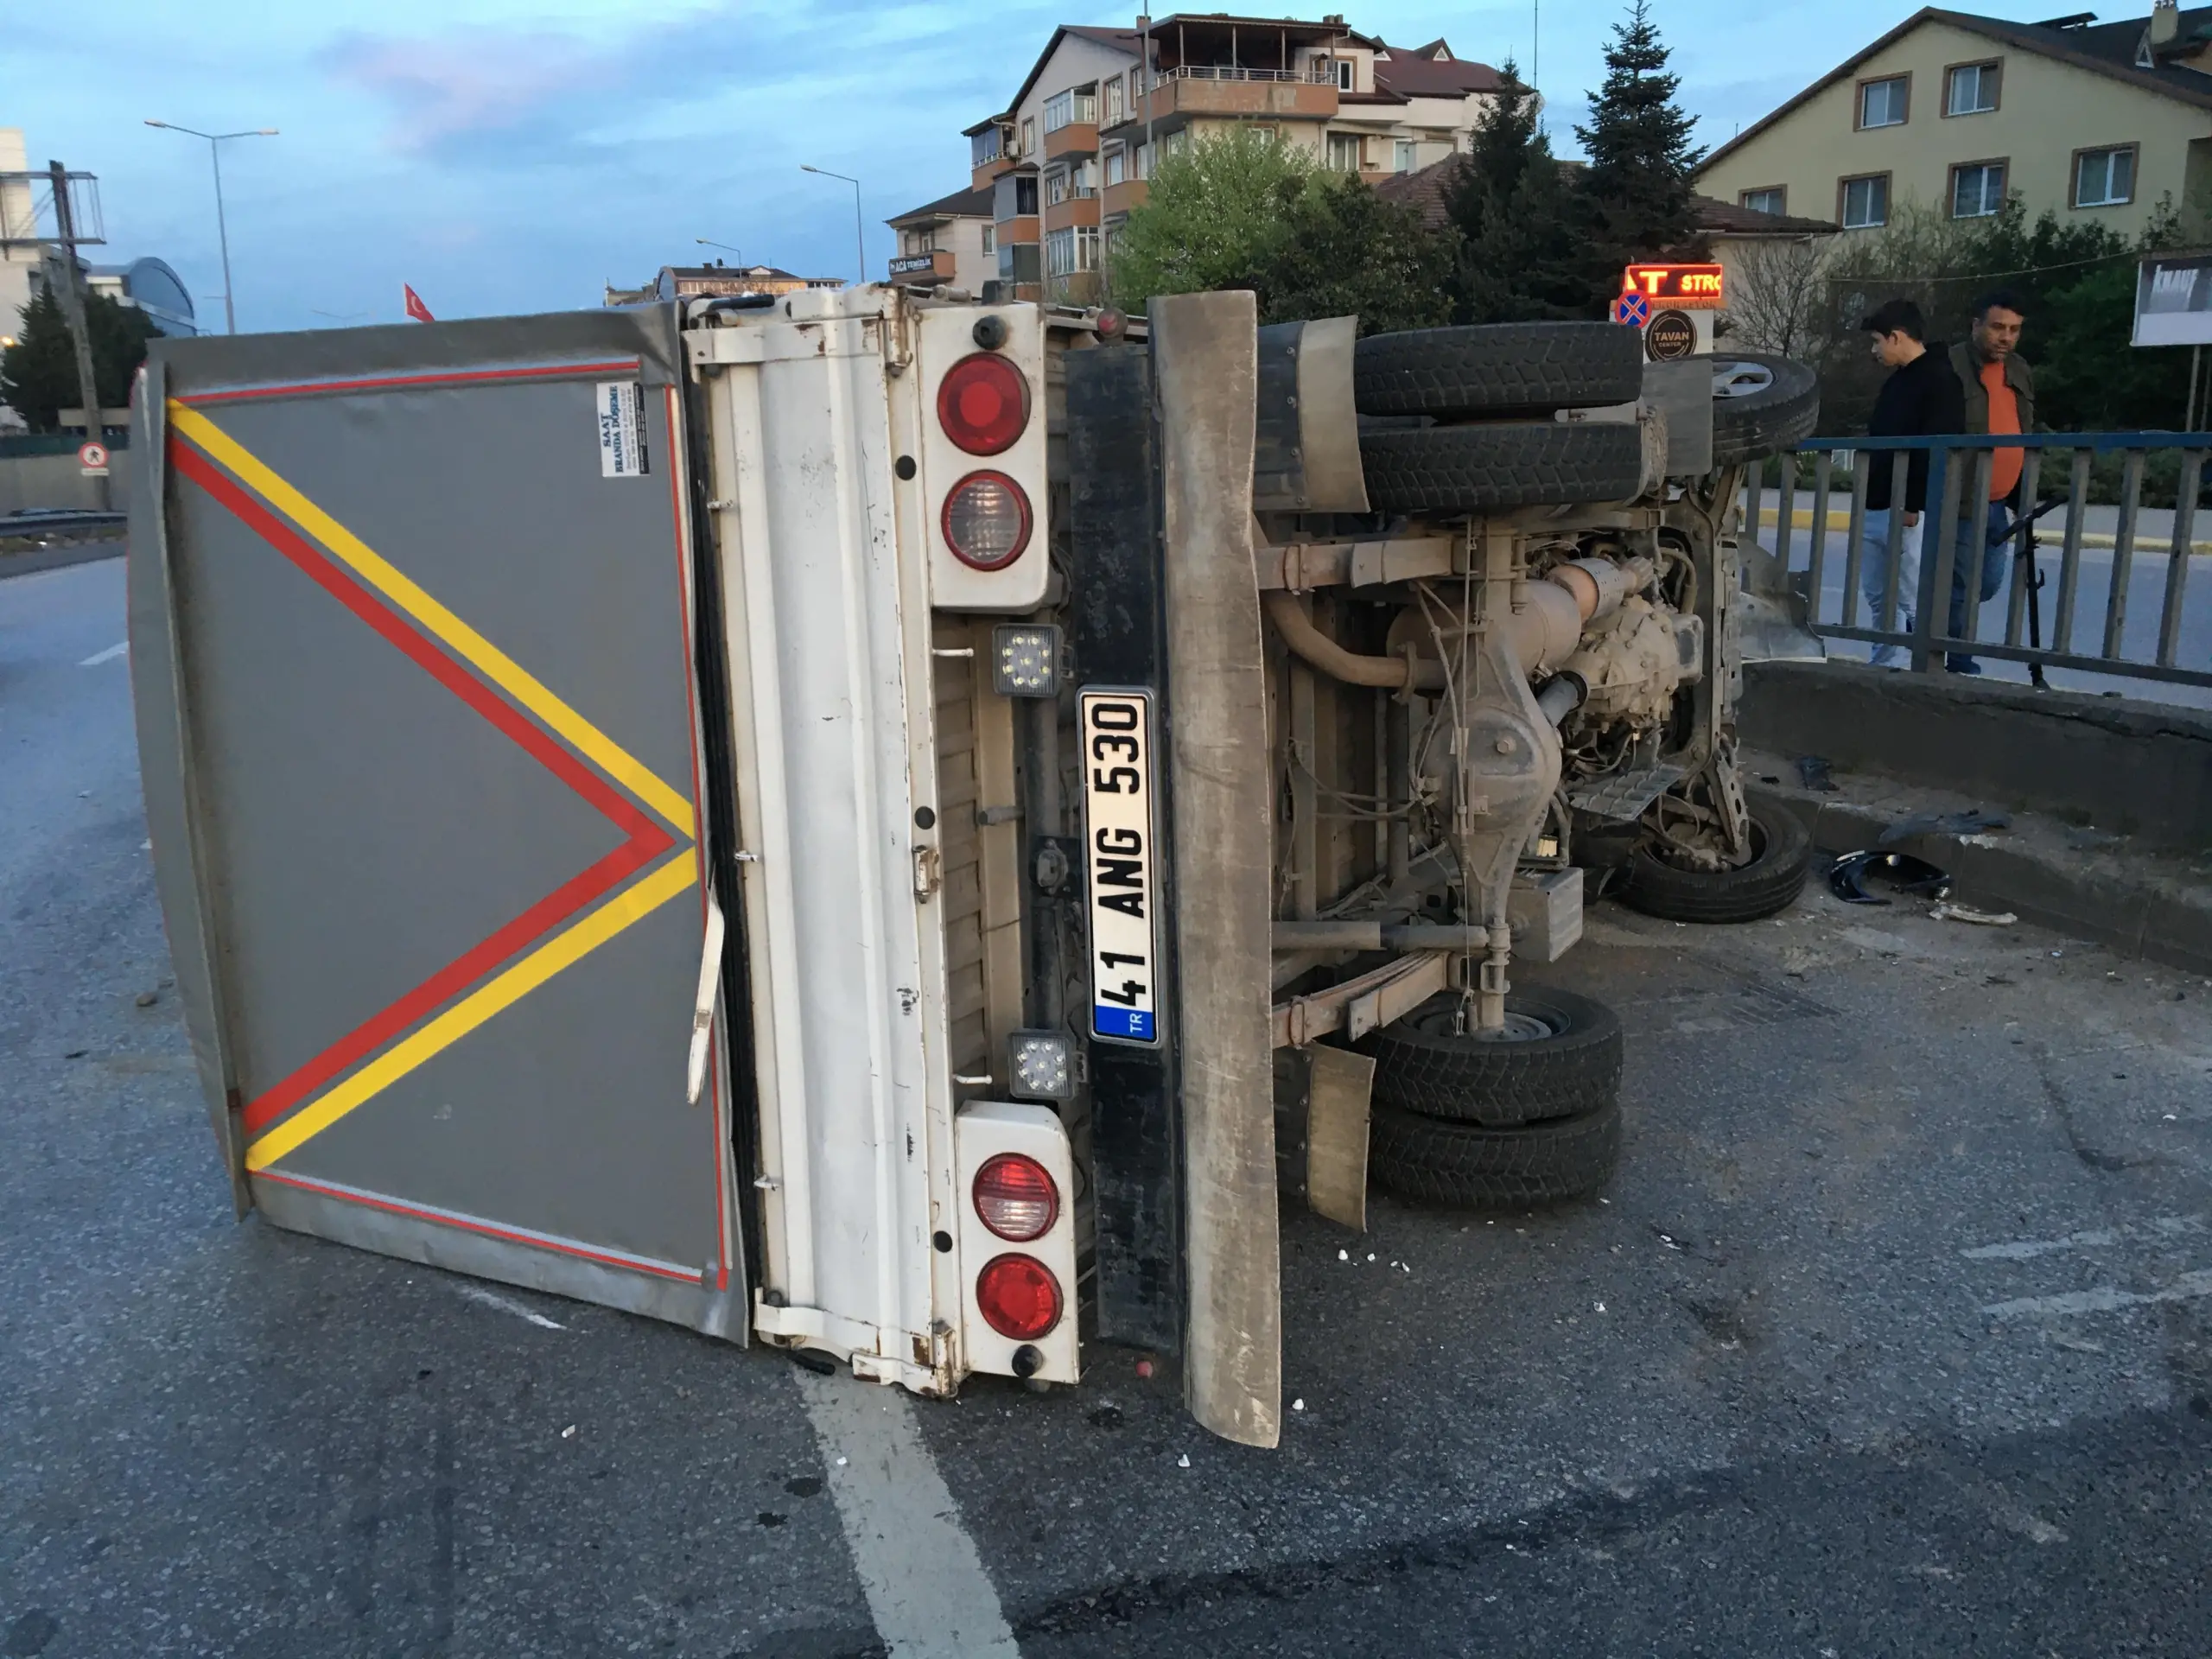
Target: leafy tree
x=1635, y=196
x=1242, y=210
x=1341, y=250
x=1215, y=206
x=38, y=373
x=1519, y=257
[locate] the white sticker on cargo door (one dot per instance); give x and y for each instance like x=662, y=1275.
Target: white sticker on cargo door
x=621, y=429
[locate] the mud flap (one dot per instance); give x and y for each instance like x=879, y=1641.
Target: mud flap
x=1204, y=361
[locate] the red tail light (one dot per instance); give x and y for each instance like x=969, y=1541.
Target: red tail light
x=1016, y=1199
x=983, y=404
x=1018, y=1297
x=986, y=521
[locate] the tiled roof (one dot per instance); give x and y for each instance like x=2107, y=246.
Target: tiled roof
x=1424, y=191
x=960, y=204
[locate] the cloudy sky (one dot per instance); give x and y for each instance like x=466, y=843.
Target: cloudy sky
x=509, y=156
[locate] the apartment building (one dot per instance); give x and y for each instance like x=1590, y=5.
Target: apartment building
x=1072, y=154
x=2091, y=121
x=952, y=241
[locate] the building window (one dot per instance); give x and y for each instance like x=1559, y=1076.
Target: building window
x=1140, y=162
x=1882, y=102
x=2104, y=178
x=1066, y=109
x=1344, y=74
x=1116, y=167
x=1971, y=89
x=990, y=240
x=1773, y=200
x=1056, y=188
x=983, y=147
x=1343, y=152
x=1067, y=252
x=1112, y=112
x=1029, y=135
x=1403, y=158
x=1977, y=189
x=1865, y=202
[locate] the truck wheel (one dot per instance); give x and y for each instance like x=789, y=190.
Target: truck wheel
x=1760, y=404
x=1466, y=1164
x=1512, y=368
x=1447, y=469
x=1782, y=853
x=1561, y=1059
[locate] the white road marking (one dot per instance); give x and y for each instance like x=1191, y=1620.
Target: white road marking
x=926, y=1585
x=484, y=1297
x=2094, y=1239
x=107, y=656
x=2104, y=1298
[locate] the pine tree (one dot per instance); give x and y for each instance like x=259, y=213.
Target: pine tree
x=38, y=373
x=1521, y=257
x=1635, y=195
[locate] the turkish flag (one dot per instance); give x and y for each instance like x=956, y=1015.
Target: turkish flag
x=416, y=309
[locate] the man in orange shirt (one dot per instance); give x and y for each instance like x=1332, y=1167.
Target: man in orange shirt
x=2000, y=390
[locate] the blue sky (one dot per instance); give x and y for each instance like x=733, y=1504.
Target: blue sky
x=505, y=156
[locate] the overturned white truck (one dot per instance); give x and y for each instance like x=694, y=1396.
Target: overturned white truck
x=896, y=828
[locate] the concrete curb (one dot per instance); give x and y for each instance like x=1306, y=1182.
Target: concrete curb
x=2138, y=906
x=55, y=558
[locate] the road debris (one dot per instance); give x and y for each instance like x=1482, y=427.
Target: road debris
x=1950, y=913
x=1813, y=773
x=1967, y=825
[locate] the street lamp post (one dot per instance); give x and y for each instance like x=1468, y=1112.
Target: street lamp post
x=859, y=234
x=705, y=243
x=215, y=142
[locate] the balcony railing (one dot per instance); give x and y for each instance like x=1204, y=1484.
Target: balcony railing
x=1317, y=74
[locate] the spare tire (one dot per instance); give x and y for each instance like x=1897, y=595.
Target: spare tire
x=1466, y=1164
x=1760, y=404
x=1495, y=464
x=1507, y=368
x=1782, y=853
x=1566, y=1063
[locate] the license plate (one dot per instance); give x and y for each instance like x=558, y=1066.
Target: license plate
x=1121, y=869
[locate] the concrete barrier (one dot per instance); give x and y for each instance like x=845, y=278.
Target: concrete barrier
x=2139, y=769
x=27, y=482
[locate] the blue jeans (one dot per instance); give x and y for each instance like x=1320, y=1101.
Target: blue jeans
x=1996, y=559
x=1880, y=524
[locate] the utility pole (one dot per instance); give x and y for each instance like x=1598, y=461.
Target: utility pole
x=66, y=279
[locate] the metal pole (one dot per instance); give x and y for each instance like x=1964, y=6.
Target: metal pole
x=860, y=232
x=64, y=274
x=223, y=235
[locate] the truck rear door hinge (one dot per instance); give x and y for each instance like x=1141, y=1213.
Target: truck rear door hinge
x=928, y=873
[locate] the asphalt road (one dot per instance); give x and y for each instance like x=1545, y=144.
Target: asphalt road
x=1894, y=1337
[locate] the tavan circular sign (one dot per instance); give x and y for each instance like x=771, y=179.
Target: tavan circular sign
x=1671, y=336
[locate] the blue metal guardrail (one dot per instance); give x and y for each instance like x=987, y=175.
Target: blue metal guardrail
x=1959, y=471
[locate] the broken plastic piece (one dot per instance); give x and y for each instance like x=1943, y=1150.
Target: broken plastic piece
x=1848, y=876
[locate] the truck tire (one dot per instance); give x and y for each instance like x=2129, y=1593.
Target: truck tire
x=1508, y=368
x=1466, y=1164
x=1423, y=1065
x=1491, y=465
x=1782, y=853
x=1760, y=404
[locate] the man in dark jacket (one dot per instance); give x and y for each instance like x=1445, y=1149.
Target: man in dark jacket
x=2001, y=398
x=1920, y=397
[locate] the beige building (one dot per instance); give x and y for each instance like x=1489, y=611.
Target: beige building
x=952, y=242
x=19, y=249
x=1070, y=155
x=2097, y=122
